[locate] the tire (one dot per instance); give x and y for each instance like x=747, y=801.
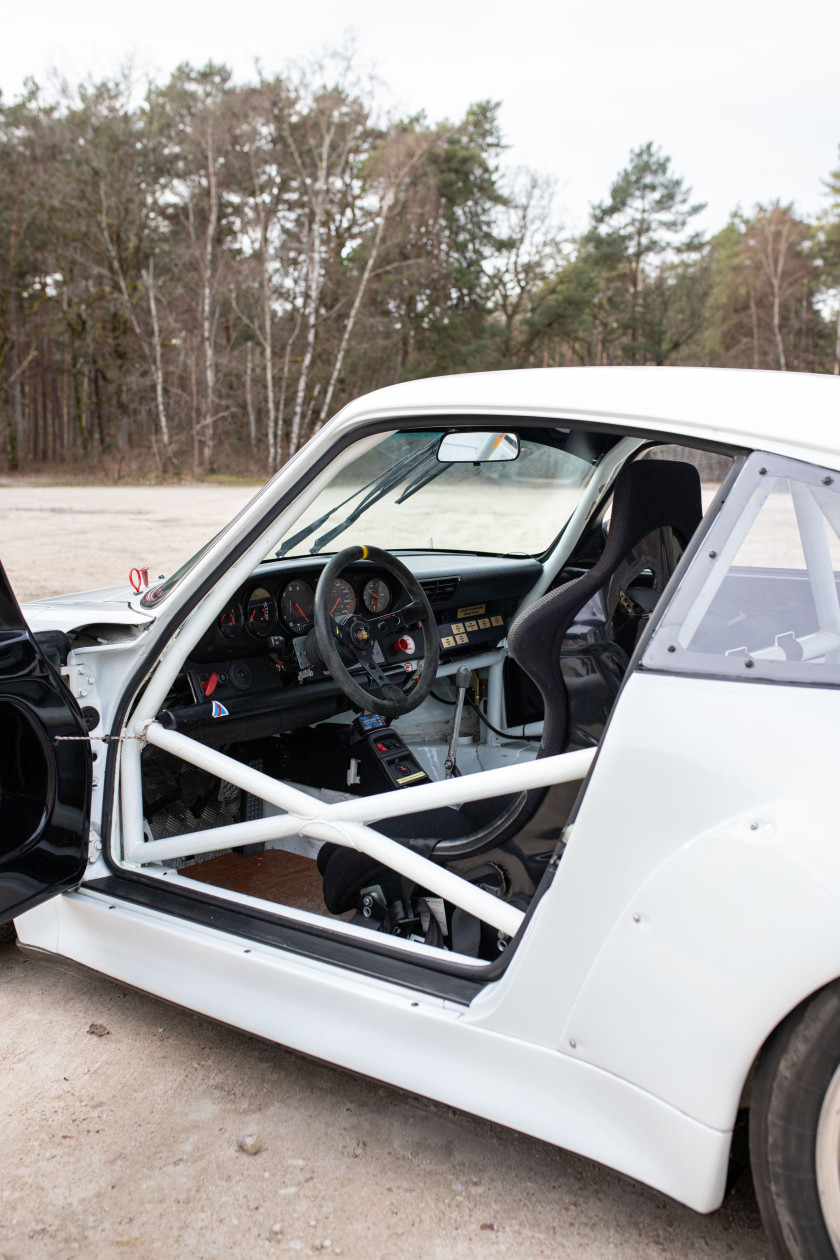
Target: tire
x=795, y=1131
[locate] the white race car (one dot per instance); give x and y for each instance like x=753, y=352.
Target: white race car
x=476, y=756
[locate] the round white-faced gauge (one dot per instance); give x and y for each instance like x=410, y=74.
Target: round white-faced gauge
x=260, y=613
x=297, y=606
x=231, y=621
x=342, y=598
x=376, y=596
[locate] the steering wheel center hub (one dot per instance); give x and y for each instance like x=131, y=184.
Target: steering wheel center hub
x=359, y=634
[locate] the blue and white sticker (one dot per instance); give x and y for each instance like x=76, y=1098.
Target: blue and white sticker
x=219, y=710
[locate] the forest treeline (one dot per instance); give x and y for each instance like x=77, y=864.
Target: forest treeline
x=195, y=281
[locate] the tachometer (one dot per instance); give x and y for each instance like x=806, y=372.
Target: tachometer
x=297, y=606
x=376, y=595
x=260, y=613
x=230, y=621
x=342, y=598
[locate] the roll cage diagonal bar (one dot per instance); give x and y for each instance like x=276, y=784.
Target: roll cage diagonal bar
x=343, y=822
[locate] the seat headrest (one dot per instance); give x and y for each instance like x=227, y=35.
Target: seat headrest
x=651, y=494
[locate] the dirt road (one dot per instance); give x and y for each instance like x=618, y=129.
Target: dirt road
x=126, y=1143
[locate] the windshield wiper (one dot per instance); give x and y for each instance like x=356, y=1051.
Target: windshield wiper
x=377, y=488
x=374, y=496
x=422, y=479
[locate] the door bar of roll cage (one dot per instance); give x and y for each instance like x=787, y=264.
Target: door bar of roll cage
x=341, y=822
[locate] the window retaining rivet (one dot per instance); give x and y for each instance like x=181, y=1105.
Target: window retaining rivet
x=573, y=1043
x=672, y=647
x=753, y=826
x=748, y=664
x=637, y=918
x=712, y=555
x=762, y=471
x=827, y=481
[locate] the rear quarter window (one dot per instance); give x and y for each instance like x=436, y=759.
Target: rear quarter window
x=761, y=597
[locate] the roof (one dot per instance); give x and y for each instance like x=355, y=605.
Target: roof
x=793, y=413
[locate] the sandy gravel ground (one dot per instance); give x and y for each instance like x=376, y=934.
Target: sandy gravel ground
x=127, y=1143
x=58, y=539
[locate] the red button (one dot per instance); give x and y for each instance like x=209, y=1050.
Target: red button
x=404, y=645
x=210, y=685
x=382, y=747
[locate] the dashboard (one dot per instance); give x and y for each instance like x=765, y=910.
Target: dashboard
x=274, y=606
x=253, y=658
x=262, y=609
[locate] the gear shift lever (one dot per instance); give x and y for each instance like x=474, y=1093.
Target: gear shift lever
x=462, y=680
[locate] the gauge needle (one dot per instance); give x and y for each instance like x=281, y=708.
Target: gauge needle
x=335, y=605
x=302, y=613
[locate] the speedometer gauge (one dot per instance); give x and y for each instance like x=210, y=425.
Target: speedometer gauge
x=376, y=595
x=342, y=598
x=297, y=606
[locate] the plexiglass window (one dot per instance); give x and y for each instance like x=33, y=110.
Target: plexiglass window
x=762, y=596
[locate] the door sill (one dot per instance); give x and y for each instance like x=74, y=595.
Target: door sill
x=443, y=979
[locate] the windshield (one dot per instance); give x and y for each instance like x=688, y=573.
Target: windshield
x=399, y=496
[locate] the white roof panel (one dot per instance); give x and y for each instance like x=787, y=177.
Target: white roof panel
x=794, y=413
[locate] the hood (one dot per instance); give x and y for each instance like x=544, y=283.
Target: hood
x=115, y=605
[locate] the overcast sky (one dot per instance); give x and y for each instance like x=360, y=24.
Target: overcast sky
x=742, y=94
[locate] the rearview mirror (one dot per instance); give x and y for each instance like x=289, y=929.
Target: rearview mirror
x=477, y=448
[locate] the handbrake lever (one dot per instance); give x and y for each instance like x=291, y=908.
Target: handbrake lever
x=462, y=680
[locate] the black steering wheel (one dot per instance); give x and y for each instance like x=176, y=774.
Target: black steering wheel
x=352, y=639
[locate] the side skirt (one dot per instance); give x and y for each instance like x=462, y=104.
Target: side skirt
x=390, y=1032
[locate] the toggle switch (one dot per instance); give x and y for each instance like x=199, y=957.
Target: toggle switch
x=210, y=685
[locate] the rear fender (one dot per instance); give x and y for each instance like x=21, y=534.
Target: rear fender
x=714, y=949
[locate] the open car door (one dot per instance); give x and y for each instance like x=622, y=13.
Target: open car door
x=45, y=785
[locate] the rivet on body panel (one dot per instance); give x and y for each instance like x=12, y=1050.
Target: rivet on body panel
x=637, y=918
x=573, y=1043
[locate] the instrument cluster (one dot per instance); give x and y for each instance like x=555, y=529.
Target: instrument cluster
x=290, y=609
